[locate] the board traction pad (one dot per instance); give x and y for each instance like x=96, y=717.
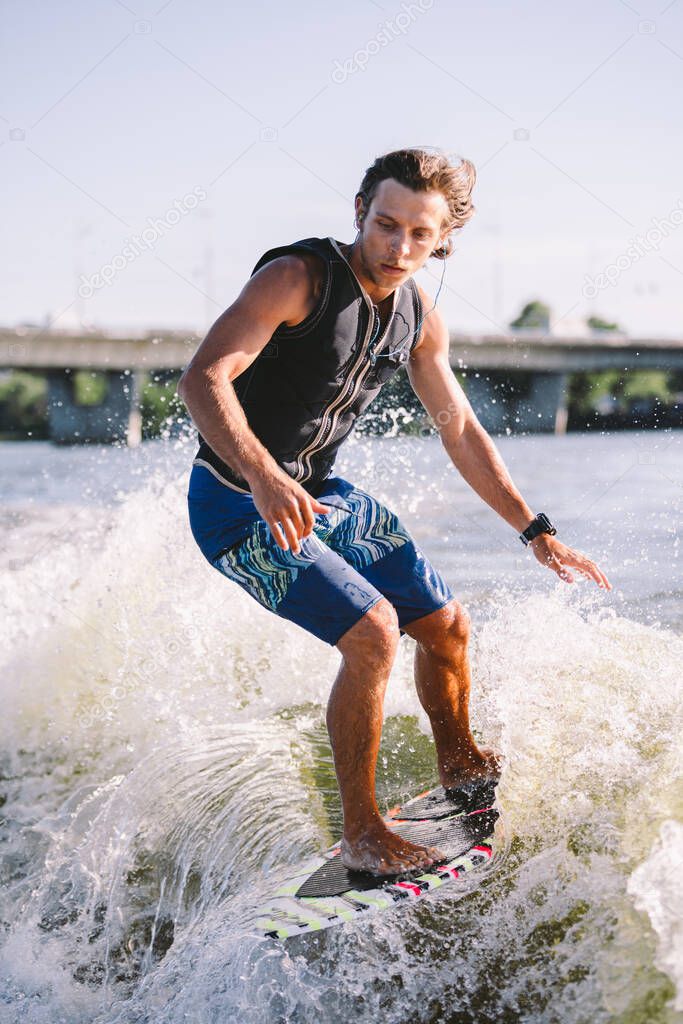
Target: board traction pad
x=453, y=836
x=438, y=803
x=297, y=907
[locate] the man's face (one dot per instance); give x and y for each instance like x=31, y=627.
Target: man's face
x=399, y=232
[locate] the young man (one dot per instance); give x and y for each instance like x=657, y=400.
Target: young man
x=314, y=334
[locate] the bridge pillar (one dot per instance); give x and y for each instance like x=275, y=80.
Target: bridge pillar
x=544, y=410
x=488, y=401
x=116, y=418
x=531, y=403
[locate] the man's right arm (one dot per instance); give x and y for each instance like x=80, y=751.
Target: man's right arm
x=282, y=292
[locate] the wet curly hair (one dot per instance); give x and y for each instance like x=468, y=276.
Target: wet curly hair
x=425, y=170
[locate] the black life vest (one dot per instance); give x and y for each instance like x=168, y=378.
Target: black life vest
x=303, y=392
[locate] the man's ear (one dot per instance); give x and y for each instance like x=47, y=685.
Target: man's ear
x=360, y=211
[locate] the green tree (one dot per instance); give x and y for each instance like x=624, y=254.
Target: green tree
x=596, y=323
x=534, y=317
x=23, y=404
x=90, y=387
x=160, y=405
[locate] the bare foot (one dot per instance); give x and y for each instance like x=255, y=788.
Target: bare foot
x=479, y=764
x=382, y=852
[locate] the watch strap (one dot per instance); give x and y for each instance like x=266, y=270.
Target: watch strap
x=540, y=524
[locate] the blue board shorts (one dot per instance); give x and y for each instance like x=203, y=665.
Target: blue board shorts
x=354, y=557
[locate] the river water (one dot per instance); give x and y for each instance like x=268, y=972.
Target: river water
x=164, y=761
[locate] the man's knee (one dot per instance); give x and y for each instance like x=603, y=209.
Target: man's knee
x=444, y=630
x=374, y=637
x=459, y=622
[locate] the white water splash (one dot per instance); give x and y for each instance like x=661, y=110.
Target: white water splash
x=657, y=889
x=165, y=761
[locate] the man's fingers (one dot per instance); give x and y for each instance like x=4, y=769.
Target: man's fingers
x=586, y=568
x=285, y=535
x=605, y=582
x=278, y=535
x=596, y=574
x=291, y=535
x=307, y=514
x=292, y=519
x=307, y=508
x=591, y=571
x=554, y=563
x=562, y=558
x=295, y=515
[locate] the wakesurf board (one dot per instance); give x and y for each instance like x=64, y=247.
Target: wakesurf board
x=324, y=893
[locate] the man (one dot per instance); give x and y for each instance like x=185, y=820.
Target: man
x=314, y=334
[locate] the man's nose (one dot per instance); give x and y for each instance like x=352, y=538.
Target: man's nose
x=400, y=243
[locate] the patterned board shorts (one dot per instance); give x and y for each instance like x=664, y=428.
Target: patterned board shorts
x=356, y=555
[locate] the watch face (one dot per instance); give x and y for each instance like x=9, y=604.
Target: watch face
x=547, y=526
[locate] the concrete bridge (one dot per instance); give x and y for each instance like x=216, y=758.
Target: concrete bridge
x=519, y=378
x=123, y=361
x=522, y=378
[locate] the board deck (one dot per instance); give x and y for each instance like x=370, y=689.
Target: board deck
x=438, y=803
x=324, y=893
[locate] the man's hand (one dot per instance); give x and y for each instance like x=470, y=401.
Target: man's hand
x=288, y=509
x=558, y=557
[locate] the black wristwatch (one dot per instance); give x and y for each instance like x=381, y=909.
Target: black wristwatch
x=541, y=524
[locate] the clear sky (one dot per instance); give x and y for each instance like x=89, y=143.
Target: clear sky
x=266, y=114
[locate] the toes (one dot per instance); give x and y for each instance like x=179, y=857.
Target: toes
x=428, y=856
x=397, y=857
x=396, y=866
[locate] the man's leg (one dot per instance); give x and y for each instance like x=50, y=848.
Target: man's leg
x=372, y=538
x=321, y=592
x=442, y=678
x=354, y=722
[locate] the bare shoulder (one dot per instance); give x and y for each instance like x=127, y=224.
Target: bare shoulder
x=293, y=267
x=293, y=282
x=283, y=292
x=434, y=332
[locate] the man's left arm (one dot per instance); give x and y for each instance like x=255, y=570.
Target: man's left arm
x=475, y=455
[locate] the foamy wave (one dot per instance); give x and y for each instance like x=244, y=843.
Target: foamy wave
x=657, y=890
x=166, y=743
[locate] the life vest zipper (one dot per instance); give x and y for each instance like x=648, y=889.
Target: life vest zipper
x=334, y=410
